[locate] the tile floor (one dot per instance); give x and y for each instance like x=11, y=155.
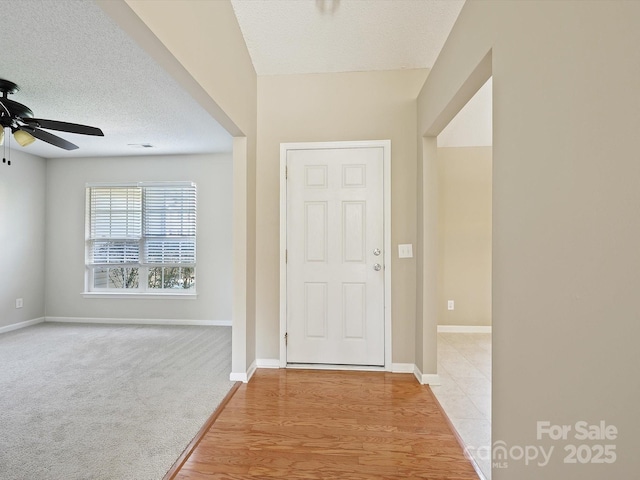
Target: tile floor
x=464, y=366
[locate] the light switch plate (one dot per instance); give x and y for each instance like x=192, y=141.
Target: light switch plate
x=405, y=250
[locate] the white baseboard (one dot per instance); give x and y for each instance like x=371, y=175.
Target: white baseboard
x=267, y=363
x=18, y=326
x=238, y=377
x=402, y=367
x=426, y=378
x=243, y=377
x=140, y=321
x=464, y=328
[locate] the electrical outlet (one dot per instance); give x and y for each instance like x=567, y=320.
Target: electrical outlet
x=18, y=303
x=450, y=305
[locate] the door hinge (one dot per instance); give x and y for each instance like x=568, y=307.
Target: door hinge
x=286, y=256
x=286, y=339
x=286, y=173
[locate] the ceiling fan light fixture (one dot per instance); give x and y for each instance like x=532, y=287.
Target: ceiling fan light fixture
x=23, y=138
x=26, y=129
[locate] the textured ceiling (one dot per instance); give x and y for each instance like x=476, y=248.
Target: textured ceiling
x=74, y=64
x=315, y=36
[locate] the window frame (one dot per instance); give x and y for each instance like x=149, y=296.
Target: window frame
x=144, y=268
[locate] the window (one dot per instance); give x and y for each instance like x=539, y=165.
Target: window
x=141, y=238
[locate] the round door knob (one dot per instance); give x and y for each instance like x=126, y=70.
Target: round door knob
x=376, y=252
x=377, y=267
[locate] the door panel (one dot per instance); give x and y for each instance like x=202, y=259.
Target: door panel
x=316, y=231
x=335, y=297
x=353, y=231
x=315, y=309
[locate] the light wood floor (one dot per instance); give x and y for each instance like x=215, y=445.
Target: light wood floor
x=325, y=424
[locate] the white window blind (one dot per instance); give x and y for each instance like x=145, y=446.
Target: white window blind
x=141, y=236
x=115, y=219
x=170, y=225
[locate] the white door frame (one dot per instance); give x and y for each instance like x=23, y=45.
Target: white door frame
x=386, y=146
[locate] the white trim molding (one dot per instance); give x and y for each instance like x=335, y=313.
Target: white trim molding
x=243, y=377
x=267, y=363
x=426, y=378
x=140, y=321
x=464, y=328
x=19, y=325
x=141, y=295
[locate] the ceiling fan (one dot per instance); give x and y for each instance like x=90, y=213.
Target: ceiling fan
x=26, y=129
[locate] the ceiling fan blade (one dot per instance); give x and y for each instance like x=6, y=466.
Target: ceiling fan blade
x=63, y=126
x=49, y=138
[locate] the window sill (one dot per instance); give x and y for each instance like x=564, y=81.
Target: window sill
x=141, y=296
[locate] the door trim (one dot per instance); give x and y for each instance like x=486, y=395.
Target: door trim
x=386, y=148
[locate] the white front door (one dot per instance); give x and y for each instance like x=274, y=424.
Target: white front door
x=335, y=256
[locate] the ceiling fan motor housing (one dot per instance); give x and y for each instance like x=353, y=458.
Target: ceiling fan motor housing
x=7, y=87
x=15, y=109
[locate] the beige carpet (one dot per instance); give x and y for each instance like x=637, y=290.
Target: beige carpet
x=106, y=401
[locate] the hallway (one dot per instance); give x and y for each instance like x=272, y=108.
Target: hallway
x=464, y=366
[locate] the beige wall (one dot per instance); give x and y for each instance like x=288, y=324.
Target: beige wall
x=427, y=285
x=565, y=218
x=201, y=45
x=333, y=107
x=464, y=217
x=205, y=38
